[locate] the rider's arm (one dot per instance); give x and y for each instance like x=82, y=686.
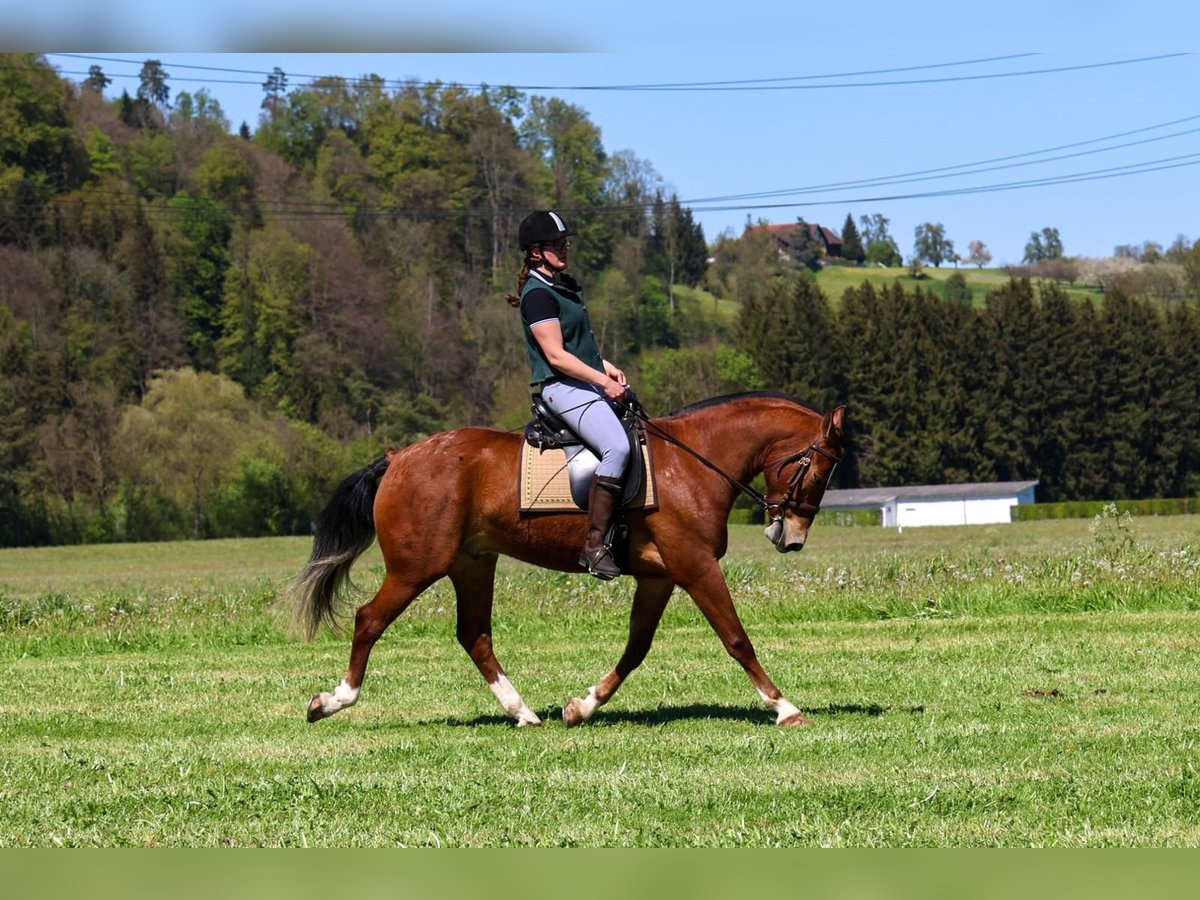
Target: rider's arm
x=548, y=334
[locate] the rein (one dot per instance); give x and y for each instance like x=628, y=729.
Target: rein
x=772, y=508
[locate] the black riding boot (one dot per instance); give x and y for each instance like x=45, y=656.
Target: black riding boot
x=603, y=501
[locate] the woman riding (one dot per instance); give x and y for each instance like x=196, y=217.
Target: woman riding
x=576, y=383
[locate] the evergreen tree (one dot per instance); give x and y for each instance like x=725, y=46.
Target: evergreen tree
x=1019, y=357
x=1066, y=404
x=274, y=87
x=789, y=335
x=852, y=246
x=96, y=81
x=1127, y=389
x=1179, y=402
x=868, y=332
x=806, y=249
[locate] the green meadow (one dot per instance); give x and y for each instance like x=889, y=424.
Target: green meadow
x=1030, y=684
x=834, y=281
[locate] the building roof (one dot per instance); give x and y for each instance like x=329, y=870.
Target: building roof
x=881, y=496
x=784, y=233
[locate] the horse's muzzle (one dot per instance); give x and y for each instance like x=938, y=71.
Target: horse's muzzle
x=777, y=534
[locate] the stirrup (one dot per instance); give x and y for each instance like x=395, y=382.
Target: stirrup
x=595, y=566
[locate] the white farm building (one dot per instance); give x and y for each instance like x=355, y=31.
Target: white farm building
x=936, y=504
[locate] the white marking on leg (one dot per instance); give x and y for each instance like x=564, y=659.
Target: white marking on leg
x=512, y=702
x=589, y=704
x=341, y=698
x=784, y=709
x=345, y=695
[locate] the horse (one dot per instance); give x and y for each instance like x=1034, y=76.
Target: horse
x=447, y=506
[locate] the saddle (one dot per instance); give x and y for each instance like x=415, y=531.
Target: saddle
x=543, y=469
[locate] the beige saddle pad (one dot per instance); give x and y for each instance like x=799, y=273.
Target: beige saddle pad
x=546, y=487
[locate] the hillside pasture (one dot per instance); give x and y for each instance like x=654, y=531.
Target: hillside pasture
x=1012, y=685
x=836, y=280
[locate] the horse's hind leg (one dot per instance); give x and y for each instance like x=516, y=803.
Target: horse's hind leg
x=474, y=586
x=371, y=621
x=649, y=601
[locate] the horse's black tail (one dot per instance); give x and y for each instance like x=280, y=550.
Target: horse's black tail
x=343, y=531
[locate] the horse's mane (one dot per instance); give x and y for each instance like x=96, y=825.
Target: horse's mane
x=727, y=398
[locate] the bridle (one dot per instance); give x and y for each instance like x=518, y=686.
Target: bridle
x=790, y=500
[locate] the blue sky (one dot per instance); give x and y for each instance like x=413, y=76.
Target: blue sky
x=949, y=112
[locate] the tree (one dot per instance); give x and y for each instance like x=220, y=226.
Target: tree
x=881, y=247
x=671, y=378
x=806, y=248
x=930, y=244
x=788, y=333
x=262, y=315
x=979, y=254
x=40, y=153
x=183, y=439
x=568, y=143
x=96, y=80
x=1178, y=251
x=152, y=84
x=1035, y=250
x=852, y=245
x=1152, y=252
x=1043, y=247
x=957, y=290
x=274, y=87
x=1053, y=243
x=677, y=247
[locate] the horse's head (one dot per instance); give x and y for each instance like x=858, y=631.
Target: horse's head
x=796, y=483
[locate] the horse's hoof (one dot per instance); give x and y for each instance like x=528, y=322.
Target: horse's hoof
x=573, y=713
x=796, y=719
x=316, y=707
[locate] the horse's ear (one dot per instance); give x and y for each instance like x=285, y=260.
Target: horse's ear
x=833, y=421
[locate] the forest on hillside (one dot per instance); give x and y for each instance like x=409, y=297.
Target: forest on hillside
x=202, y=331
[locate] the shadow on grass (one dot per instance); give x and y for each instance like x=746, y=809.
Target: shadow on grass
x=693, y=712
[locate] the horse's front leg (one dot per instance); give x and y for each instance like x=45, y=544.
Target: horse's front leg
x=708, y=588
x=649, y=601
x=474, y=587
x=371, y=621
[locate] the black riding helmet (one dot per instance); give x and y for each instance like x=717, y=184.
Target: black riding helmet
x=542, y=227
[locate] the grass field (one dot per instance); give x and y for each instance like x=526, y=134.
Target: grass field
x=1021, y=685
x=835, y=280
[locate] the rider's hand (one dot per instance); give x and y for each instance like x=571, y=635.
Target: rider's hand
x=613, y=389
x=614, y=373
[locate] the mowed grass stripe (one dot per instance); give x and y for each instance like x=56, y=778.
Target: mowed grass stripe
x=955, y=736
x=1002, y=687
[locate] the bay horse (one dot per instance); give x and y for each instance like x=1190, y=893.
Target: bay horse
x=448, y=506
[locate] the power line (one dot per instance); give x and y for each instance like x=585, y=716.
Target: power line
x=965, y=62
x=947, y=171
x=300, y=211
x=775, y=84
x=1158, y=165
x=982, y=162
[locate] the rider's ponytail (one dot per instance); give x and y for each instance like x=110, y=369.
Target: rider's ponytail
x=515, y=299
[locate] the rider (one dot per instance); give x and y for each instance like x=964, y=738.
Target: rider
x=576, y=383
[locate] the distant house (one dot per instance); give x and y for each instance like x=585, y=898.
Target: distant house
x=936, y=504
x=785, y=237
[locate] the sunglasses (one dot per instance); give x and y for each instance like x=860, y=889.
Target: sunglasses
x=559, y=245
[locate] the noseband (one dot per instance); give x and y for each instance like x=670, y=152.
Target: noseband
x=776, y=508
